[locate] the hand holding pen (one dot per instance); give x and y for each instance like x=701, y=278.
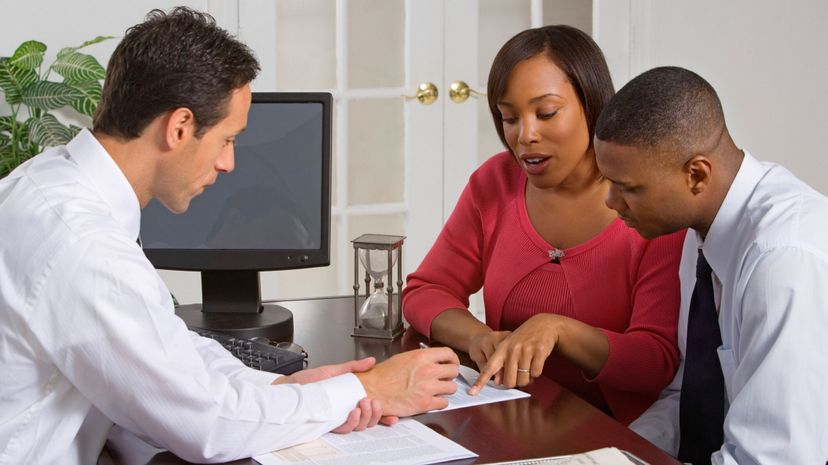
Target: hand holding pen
x=471, y=382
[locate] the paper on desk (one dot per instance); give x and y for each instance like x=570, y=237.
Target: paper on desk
x=605, y=456
x=408, y=442
x=490, y=392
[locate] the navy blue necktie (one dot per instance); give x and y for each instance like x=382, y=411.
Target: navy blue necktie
x=701, y=411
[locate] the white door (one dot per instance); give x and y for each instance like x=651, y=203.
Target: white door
x=474, y=32
x=399, y=165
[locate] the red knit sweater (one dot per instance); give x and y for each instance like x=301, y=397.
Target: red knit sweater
x=616, y=281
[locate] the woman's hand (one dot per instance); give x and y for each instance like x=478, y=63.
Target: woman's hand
x=519, y=357
x=482, y=345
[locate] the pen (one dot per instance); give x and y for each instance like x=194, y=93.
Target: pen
x=423, y=345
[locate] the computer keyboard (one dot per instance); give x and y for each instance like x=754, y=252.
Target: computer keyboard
x=258, y=355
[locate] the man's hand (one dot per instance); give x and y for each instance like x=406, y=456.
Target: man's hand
x=366, y=414
x=413, y=382
x=313, y=375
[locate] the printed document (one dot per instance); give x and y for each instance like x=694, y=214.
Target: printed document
x=408, y=442
x=605, y=456
x=490, y=392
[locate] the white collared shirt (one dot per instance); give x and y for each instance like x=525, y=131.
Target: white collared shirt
x=88, y=335
x=769, y=256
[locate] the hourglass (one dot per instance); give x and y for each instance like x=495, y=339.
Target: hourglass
x=380, y=313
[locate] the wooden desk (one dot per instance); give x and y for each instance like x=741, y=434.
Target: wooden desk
x=551, y=422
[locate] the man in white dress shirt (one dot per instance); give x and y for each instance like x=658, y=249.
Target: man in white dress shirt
x=663, y=143
x=88, y=336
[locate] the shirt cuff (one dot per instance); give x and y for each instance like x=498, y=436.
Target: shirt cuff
x=343, y=391
x=261, y=378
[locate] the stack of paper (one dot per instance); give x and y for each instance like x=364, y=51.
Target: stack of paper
x=605, y=456
x=408, y=442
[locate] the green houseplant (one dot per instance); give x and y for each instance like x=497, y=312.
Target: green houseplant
x=31, y=96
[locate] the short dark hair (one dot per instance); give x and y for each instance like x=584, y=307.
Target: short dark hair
x=172, y=60
x=572, y=50
x=669, y=108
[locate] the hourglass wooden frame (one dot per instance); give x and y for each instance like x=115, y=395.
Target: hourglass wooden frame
x=393, y=320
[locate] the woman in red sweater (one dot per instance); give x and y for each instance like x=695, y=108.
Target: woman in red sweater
x=571, y=292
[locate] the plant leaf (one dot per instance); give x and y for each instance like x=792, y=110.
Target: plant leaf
x=9, y=157
x=29, y=55
x=7, y=160
x=49, y=95
x=13, y=137
x=78, y=67
x=66, y=50
x=91, y=91
x=14, y=79
x=74, y=130
x=6, y=123
x=16, y=134
x=47, y=131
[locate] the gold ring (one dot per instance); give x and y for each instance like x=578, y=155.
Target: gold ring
x=522, y=370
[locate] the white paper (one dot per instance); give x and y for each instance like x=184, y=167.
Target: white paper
x=490, y=392
x=605, y=456
x=408, y=442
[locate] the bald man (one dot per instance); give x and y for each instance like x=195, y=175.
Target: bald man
x=754, y=275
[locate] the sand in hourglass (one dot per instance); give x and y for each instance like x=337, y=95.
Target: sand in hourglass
x=375, y=308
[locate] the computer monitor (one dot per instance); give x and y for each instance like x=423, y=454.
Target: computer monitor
x=272, y=212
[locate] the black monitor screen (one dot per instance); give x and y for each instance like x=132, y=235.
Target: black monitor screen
x=272, y=211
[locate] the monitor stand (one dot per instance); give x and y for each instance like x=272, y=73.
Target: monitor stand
x=232, y=304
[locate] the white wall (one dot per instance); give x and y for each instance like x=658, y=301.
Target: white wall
x=61, y=24
x=767, y=60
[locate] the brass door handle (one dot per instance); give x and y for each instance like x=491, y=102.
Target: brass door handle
x=459, y=92
x=426, y=94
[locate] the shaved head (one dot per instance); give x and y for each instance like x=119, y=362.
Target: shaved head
x=663, y=144
x=670, y=112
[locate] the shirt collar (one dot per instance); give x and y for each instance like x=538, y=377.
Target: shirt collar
x=108, y=179
x=720, y=240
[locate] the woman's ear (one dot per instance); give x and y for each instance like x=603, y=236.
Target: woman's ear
x=698, y=173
